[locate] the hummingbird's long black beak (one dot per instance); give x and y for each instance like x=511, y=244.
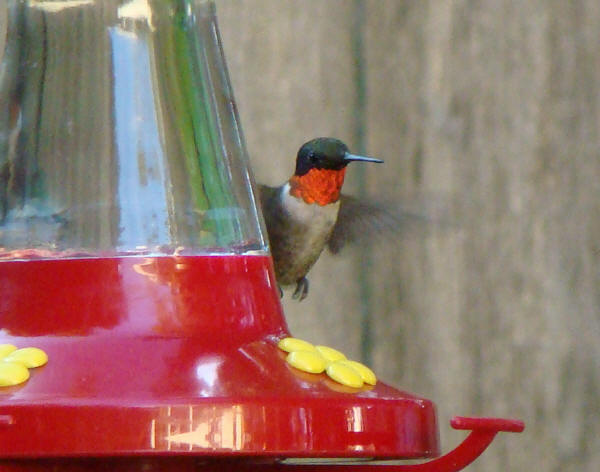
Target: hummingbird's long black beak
x=353, y=157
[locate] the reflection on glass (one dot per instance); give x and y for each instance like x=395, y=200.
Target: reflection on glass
x=118, y=132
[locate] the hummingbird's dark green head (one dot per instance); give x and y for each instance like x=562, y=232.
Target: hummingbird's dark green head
x=326, y=153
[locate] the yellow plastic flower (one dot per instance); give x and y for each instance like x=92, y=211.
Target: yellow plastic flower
x=306, y=357
x=15, y=363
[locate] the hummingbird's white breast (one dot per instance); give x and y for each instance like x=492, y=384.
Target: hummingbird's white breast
x=312, y=226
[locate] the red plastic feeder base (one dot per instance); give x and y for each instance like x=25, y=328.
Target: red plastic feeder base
x=171, y=363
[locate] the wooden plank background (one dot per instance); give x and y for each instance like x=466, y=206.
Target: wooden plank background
x=493, y=107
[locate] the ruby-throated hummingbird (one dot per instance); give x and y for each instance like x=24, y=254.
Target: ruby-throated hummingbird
x=308, y=212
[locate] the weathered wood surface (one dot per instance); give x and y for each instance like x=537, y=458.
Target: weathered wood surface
x=496, y=106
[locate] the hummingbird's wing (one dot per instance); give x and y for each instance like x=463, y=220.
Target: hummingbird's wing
x=362, y=221
x=272, y=211
x=265, y=192
x=267, y=196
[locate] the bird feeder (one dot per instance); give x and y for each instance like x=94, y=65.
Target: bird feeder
x=132, y=255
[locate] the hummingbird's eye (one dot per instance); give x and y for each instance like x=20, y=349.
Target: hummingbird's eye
x=313, y=157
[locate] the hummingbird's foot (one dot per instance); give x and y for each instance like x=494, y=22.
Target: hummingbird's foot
x=301, y=289
x=280, y=291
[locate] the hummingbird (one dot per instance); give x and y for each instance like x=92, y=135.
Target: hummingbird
x=308, y=212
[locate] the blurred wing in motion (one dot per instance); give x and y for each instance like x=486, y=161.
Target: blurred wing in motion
x=362, y=221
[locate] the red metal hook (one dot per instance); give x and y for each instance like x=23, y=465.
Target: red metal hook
x=483, y=431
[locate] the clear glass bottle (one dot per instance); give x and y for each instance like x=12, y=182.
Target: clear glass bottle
x=119, y=134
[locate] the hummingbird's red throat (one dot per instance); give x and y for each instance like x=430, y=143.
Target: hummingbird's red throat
x=320, y=186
